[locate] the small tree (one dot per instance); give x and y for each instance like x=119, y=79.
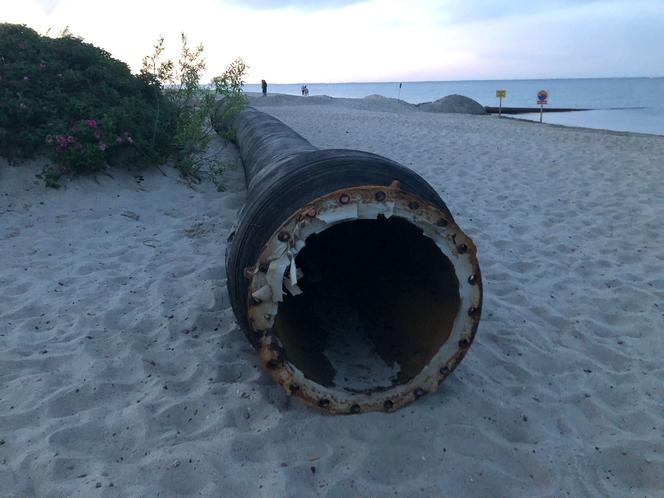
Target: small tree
x=230, y=86
x=192, y=105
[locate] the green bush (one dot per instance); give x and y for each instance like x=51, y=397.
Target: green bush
x=71, y=101
x=52, y=88
x=229, y=85
x=192, y=104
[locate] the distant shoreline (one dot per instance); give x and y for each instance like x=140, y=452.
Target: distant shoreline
x=389, y=104
x=619, y=104
x=527, y=110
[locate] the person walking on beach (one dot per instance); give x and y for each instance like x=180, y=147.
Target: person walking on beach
x=302, y=89
x=305, y=91
x=264, y=87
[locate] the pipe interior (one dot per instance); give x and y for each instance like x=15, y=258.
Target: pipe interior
x=378, y=301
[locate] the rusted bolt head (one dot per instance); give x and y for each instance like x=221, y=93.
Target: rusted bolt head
x=413, y=205
x=445, y=371
x=263, y=267
x=419, y=392
x=344, y=199
x=249, y=272
x=442, y=222
x=463, y=343
x=310, y=213
x=472, y=280
x=462, y=248
x=275, y=344
x=388, y=405
x=284, y=236
x=323, y=403
x=380, y=196
x=355, y=409
x=473, y=311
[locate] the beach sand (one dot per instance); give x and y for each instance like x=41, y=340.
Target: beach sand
x=123, y=373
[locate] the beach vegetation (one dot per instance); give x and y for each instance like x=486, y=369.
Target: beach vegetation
x=72, y=102
x=229, y=85
x=190, y=105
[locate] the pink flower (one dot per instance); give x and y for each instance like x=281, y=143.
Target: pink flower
x=91, y=123
x=119, y=140
x=70, y=139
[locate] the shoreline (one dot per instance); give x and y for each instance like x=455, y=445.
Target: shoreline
x=529, y=110
x=591, y=130
x=396, y=105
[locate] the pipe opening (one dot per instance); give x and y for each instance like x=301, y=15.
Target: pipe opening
x=378, y=301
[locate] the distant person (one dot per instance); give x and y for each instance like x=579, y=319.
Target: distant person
x=306, y=91
x=302, y=89
x=264, y=87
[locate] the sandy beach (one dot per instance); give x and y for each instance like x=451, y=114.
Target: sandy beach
x=123, y=372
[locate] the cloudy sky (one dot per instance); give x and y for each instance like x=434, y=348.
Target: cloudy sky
x=288, y=41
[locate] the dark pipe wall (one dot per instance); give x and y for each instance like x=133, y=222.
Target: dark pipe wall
x=284, y=172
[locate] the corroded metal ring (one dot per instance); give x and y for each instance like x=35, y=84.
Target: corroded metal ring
x=266, y=294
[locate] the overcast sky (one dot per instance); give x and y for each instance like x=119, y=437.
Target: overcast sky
x=287, y=41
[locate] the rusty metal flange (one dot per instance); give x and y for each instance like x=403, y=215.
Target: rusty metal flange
x=275, y=268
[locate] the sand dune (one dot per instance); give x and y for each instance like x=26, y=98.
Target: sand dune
x=122, y=372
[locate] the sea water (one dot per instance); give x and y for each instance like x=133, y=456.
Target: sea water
x=619, y=104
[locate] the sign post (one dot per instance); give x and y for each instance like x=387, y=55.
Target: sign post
x=500, y=94
x=542, y=97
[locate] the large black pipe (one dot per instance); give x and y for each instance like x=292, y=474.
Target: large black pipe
x=346, y=271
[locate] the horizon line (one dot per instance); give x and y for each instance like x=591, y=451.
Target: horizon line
x=453, y=81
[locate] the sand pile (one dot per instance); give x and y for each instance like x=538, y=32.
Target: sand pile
x=457, y=104
x=121, y=364
x=280, y=99
x=371, y=102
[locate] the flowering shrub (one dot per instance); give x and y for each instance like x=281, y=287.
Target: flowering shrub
x=73, y=102
x=83, y=149
x=76, y=104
